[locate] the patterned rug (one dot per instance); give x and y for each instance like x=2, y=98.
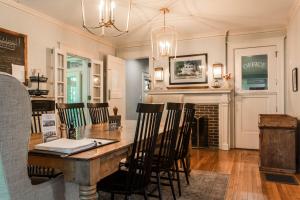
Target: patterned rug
x=203, y=186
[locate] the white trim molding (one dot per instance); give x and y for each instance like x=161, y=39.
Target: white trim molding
x=33, y=12
x=220, y=97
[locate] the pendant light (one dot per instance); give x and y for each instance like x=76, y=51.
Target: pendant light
x=163, y=39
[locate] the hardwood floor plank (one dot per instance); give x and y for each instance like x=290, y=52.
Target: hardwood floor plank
x=245, y=182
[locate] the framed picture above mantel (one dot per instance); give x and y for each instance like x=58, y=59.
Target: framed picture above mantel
x=188, y=69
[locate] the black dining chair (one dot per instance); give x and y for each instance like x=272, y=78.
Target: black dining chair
x=39, y=174
x=98, y=112
x=164, y=158
x=71, y=113
x=182, y=146
x=137, y=177
x=40, y=107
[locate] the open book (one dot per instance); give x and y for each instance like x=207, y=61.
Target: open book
x=69, y=146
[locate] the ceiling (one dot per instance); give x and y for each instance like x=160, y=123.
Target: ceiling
x=190, y=17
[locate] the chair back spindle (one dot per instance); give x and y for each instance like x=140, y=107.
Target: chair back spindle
x=71, y=113
x=140, y=160
x=185, y=131
x=170, y=134
x=98, y=112
x=40, y=107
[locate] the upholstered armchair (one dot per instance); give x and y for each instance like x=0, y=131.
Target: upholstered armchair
x=15, y=116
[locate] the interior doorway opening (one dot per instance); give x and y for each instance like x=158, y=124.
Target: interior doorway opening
x=78, y=79
x=137, y=84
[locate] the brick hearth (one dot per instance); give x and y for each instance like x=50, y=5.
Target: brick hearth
x=211, y=111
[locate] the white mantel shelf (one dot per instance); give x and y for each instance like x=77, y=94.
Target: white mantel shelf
x=221, y=97
x=191, y=91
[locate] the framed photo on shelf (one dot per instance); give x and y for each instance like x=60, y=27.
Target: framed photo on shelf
x=295, y=79
x=188, y=69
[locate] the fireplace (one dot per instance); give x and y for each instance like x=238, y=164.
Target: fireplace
x=207, y=125
x=214, y=104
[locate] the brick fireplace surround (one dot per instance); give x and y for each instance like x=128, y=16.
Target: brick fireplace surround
x=211, y=111
x=213, y=103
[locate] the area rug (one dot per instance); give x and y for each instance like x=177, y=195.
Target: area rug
x=203, y=186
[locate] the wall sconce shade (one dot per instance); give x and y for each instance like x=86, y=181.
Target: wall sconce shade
x=217, y=71
x=159, y=74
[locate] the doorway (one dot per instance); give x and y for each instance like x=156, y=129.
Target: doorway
x=137, y=85
x=78, y=81
x=256, y=92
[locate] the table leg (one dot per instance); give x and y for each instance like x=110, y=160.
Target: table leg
x=88, y=192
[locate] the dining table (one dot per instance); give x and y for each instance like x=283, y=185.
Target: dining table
x=87, y=168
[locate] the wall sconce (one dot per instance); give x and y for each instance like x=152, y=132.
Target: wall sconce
x=159, y=74
x=217, y=70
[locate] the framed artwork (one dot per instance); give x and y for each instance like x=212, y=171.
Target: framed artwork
x=295, y=79
x=13, y=54
x=188, y=69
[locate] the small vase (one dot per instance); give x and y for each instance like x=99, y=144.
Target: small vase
x=115, y=110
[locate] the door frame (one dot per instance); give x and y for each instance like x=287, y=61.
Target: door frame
x=278, y=42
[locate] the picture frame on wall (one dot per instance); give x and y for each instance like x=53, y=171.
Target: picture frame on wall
x=188, y=69
x=295, y=79
x=13, y=54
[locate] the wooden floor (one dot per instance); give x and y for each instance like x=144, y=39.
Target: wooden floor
x=245, y=182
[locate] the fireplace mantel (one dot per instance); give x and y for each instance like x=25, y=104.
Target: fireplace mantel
x=221, y=97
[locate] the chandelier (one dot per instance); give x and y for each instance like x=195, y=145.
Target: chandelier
x=164, y=39
x=106, y=18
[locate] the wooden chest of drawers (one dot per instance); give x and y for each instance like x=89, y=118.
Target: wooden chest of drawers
x=277, y=143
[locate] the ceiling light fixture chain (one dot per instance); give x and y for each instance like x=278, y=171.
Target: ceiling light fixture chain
x=106, y=18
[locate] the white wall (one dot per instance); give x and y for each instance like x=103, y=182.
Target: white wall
x=134, y=86
x=43, y=33
x=213, y=46
x=292, y=61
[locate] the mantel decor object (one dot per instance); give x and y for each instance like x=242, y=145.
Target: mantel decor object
x=188, y=69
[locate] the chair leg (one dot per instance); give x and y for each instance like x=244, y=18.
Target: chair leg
x=145, y=194
x=112, y=196
x=185, y=171
x=178, y=177
x=158, y=185
x=171, y=184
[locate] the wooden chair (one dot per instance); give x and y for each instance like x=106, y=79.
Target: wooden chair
x=164, y=160
x=71, y=113
x=98, y=112
x=15, y=133
x=137, y=177
x=40, y=174
x=182, y=146
x=40, y=107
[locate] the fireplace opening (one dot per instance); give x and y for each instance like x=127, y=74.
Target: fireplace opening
x=200, y=132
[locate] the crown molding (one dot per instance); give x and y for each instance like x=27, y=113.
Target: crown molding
x=33, y=12
x=145, y=43
x=293, y=11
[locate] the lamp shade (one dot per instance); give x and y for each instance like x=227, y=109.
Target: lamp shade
x=217, y=70
x=159, y=74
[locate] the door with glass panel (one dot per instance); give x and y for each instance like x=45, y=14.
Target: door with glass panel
x=255, y=92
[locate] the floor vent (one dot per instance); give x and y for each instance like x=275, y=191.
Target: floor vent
x=281, y=178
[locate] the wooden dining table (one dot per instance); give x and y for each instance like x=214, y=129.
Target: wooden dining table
x=88, y=167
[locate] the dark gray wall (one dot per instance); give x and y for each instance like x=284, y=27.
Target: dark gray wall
x=134, y=70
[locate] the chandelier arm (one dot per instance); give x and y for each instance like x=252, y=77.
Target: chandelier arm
x=128, y=15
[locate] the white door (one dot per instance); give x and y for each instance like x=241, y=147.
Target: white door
x=255, y=92
x=116, y=85
x=60, y=78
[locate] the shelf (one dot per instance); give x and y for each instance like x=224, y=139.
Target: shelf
x=97, y=98
x=60, y=82
x=97, y=86
x=60, y=97
x=61, y=68
x=97, y=75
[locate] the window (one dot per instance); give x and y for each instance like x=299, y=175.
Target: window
x=255, y=72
